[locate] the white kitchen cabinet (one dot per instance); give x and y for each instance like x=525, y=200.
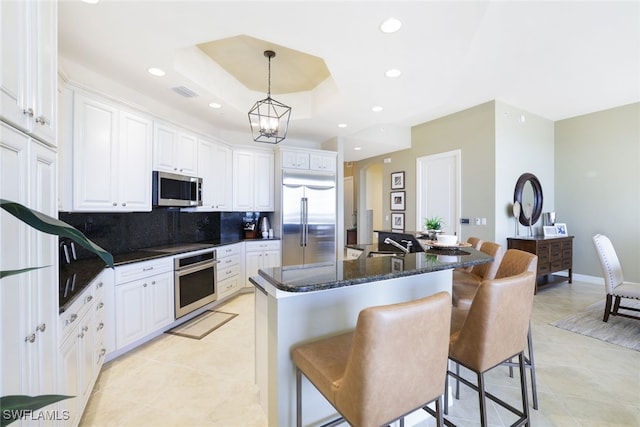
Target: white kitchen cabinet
x=253, y=181
x=322, y=162
x=28, y=301
x=144, y=299
x=214, y=167
x=308, y=159
x=82, y=350
x=295, y=159
x=260, y=254
x=174, y=150
x=230, y=275
x=28, y=73
x=111, y=157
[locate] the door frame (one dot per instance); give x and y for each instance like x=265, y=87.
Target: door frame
x=421, y=164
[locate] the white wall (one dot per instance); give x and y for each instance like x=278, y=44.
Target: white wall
x=524, y=143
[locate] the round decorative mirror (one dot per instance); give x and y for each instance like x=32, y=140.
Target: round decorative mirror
x=528, y=192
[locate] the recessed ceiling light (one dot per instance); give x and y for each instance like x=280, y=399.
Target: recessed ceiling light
x=391, y=25
x=357, y=148
x=342, y=125
x=215, y=105
x=377, y=109
x=392, y=73
x=156, y=71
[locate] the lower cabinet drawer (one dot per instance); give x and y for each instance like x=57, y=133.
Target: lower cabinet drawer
x=228, y=286
x=226, y=272
x=228, y=261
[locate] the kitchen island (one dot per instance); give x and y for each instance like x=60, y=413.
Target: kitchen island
x=297, y=305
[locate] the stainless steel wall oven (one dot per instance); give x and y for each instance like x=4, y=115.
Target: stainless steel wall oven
x=195, y=281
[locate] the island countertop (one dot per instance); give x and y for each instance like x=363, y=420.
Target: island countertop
x=366, y=269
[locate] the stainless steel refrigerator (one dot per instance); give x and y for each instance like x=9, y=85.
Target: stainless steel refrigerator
x=308, y=218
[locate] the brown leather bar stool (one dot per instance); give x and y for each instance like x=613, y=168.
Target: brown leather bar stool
x=494, y=331
x=394, y=363
x=475, y=243
x=465, y=283
x=513, y=263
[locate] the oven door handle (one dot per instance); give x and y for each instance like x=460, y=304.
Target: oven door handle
x=196, y=267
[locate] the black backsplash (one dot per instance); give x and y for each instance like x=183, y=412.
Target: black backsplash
x=128, y=232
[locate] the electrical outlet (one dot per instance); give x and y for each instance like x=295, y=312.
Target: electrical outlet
x=477, y=221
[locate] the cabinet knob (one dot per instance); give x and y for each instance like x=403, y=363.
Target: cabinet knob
x=100, y=306
x=85, y=329
x=100, y=326
x=103, y=352
x=28, y=112
x=115, y=204
x=42, y=120
x=88, y=299
x=41, y=327
x=99, y=285
x=124, y=204
x=144, y=285
x=30, y=338
x=81, y=335
x=71, y=319
x=153, y=283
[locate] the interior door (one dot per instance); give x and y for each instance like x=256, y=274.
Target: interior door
x=438, y=190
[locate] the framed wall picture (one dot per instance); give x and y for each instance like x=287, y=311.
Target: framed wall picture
x=397, y=180
x=397, y=221
x=397, y=200
x=549, y=230
x=561, y=229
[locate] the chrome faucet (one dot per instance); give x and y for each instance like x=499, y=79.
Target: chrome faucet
x=392, y=242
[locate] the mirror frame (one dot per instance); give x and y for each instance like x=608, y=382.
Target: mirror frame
x=537, y=197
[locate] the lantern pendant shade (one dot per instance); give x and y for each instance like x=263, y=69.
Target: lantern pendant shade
x=268, y=118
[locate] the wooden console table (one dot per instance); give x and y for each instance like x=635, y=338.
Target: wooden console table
x=554, y=254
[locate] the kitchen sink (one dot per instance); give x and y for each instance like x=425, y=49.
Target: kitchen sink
x=373, y=254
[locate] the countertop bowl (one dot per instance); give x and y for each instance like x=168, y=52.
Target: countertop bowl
x=447, y=239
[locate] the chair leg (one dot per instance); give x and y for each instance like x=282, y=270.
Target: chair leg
x=523, y=388
x=607, y=307
x=298, y=397
x=616, y=305
x=457, y=381
x=446, y=393
x=439, y=416
x=482, y=400
x=532, y=366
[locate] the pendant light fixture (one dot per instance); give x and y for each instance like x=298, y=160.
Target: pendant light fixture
x=268, y=118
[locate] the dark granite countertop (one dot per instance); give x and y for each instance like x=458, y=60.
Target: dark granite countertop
x=369, y=269
x=74, y=277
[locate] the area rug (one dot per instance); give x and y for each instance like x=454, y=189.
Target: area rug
x=617, y=330
x=202, y=325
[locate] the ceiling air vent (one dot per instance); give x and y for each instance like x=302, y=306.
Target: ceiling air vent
x=184, y=91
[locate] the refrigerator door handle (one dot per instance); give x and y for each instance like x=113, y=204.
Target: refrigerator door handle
x=305, y=222
x=301, y=221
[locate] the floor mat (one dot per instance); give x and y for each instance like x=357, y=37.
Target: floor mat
x=202, y=325
x=618, y=330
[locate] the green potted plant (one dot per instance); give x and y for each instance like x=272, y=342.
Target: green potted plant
x=15, y=406
x=433, y=226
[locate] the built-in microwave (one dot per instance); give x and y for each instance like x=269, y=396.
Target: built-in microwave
x=170, y=189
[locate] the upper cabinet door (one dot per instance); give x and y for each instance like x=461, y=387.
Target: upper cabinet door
x=28, y=73
x=95, y=155
x=263, y=182
x=134, y=148
x=174, y=150
x=214, y=167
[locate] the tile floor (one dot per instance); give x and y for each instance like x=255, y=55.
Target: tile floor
x=176, y=381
